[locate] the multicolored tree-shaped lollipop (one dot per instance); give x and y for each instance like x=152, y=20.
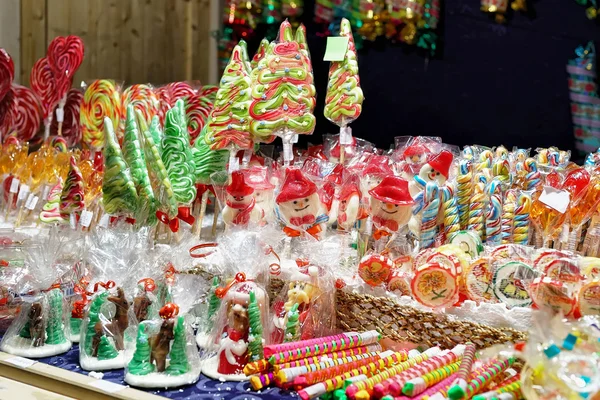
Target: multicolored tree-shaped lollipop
x=229, y=126
x=207, y=161
x=71, y=197
x=260, y=53
x=343, y=103
x=118, y=190
x=283, y=94
x=132, y=151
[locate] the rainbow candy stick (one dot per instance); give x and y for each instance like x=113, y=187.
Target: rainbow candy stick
x=508, y=215
x=490, y=371
x=493, y=225
x=330, y=379
x=464, y=182
x=510, y=385
x=257, y=382
x=363, y=389
x=522, y=219
x=285, y=352
x=533, y=179
x=418, y=385
x=451, y=215
x=443, y=385
x=287, y=375
x=394, y=384
x=375, y=347
x=256, y=367
x=457, y=391
x=476, y=206
x=486, y=158
x=430, y=214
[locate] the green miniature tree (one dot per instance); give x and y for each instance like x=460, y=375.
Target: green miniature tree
x=214, y=301
x=140, y=363
x=106, y=351
x=178, y=363
x=118, y=190
x=292, y=331
x=255, y=337
x=71, y=197
x=93, y=319
x=177, y=156
x=75, y=325
x=207, y=161
x=134, y=156
x=55, y=330
x=24, y=332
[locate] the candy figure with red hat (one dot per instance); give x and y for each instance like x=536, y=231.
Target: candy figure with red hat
x=376, y=169
x=258, y=179
x=233, y=329
x=435, y=170
x=240, y=204
x=302, y=289
x=391, y=206
x=299, y=206
x=350, y=210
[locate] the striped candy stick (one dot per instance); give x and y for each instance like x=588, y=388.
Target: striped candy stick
x=256, y=367
x=451, y=215
x=476, y=206
x=440, y=391
x=418, y=385
x=297, y=350
x=464, y=182
x=457, y=391
x=430, y=212
x=359, y=389
x=508, y=215
x=257, y=382
x=511, y=385
x=493, y=223
x=444, y=384
x=333, y=378
x=338, y=354
x=491, y=370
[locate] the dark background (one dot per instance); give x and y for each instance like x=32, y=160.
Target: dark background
x=489, y=84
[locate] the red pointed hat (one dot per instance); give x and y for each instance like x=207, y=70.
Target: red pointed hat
x=378, y=166
x=295, y=186
x=258, y=178
x=392, y=189
x=238, y=186
x=335, y=176
x=441, y=163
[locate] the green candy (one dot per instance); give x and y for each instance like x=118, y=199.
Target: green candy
x=208, y=161
x=158, y=172
x=134, y=156
x=292, y=326
x=178, y=361
x=118, y=190
x=141, y=363
x=177, y=156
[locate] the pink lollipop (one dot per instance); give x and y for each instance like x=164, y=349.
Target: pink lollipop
x=43, y=84
x=7, y=73
x=71, y=130
x=27, y=113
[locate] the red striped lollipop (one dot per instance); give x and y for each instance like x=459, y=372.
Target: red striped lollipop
x=7, y=73
x=43, y=84
x=27, y=113
x=170, y=93
x=209, y=91
x=143, y=98
x=65, y=55
x=197, y=110
x=70, y=129
x=6, y=114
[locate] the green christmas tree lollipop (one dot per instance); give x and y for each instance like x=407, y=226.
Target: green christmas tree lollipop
x=292, y=326
x=133, y=154
x=71, y=197
x=106, y=351
x=118, y=190
x=55, y=333
x=140, y=364
x=208, y=161
x=178, y=363
x=255, y=336
x=260, y=53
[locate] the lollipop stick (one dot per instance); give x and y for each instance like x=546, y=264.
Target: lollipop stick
x=200, y=219
x=215, y=219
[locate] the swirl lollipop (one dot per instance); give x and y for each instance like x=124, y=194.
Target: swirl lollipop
x=7, y=106
x=143, y=99
x=101, y=99
x=209, y=91
x=197, y=110
x=169, y=94
x=7, y=72
x=70, y=127
x=44, y=85
x=27, y=114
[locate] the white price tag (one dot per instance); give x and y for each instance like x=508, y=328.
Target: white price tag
x=288, y=154
x=60, y=114
x=104, y=221
x=107, y=386
x=73, y=220
x=45, y=192
x=555, y=198
x=346, y=135
x=23, y=192
x=386, y=353
x=14, y=185
x=86, y=218
x=20, y=362
x=31, y=202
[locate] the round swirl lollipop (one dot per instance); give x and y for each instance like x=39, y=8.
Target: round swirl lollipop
x=70, y=128
x=197, y=110
x=7, y=106
x=65, y=54
x=27, y=114
x=209, y=91
x=44, y=85
x=7, y=72
x=101, y=99
x=169, y=94
x=143, y=98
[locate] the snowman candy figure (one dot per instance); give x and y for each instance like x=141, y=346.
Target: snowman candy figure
x=299, y=205
x=240, y=206
x=350, y=210
x=376, y=169
x=391, y=206
x=413, y=158
x=435, y=170
x=257, y=178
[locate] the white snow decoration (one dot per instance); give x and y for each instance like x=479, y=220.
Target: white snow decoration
x=19, y=346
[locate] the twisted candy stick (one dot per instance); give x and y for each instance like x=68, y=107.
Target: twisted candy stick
x=464, y=192
x=71, y=197
x=486, y=157
x=51, y=211
x=283, y=92
x=511, y=385
x=508, y=215
x=143, y=98
x=522, y=219
x=418, y=385
x=476, y=206
x=338, y=354
x=451, y=219
x=27, y=113
x=427, y=393
x=343, y=103
x=101, y=99
x=430, y=214
x=501, y=171
x=533, y=178
x=493, y=227
x=457, y=391
x=485, y=377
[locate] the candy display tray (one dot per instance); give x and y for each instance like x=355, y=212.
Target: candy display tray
x=62, y=374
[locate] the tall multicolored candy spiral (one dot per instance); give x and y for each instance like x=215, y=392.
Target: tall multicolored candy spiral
x=451, y=218
x=71, y=197
x=464, y=186
x=493, y=223
x=522, y=219
x=508, y=215
x=430, y=214
x=476, y=206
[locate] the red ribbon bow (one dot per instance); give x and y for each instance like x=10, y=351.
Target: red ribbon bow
x=148, y=283
x=106, y=285
x=306, y=220
x=183, y=213
x=386, y=223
